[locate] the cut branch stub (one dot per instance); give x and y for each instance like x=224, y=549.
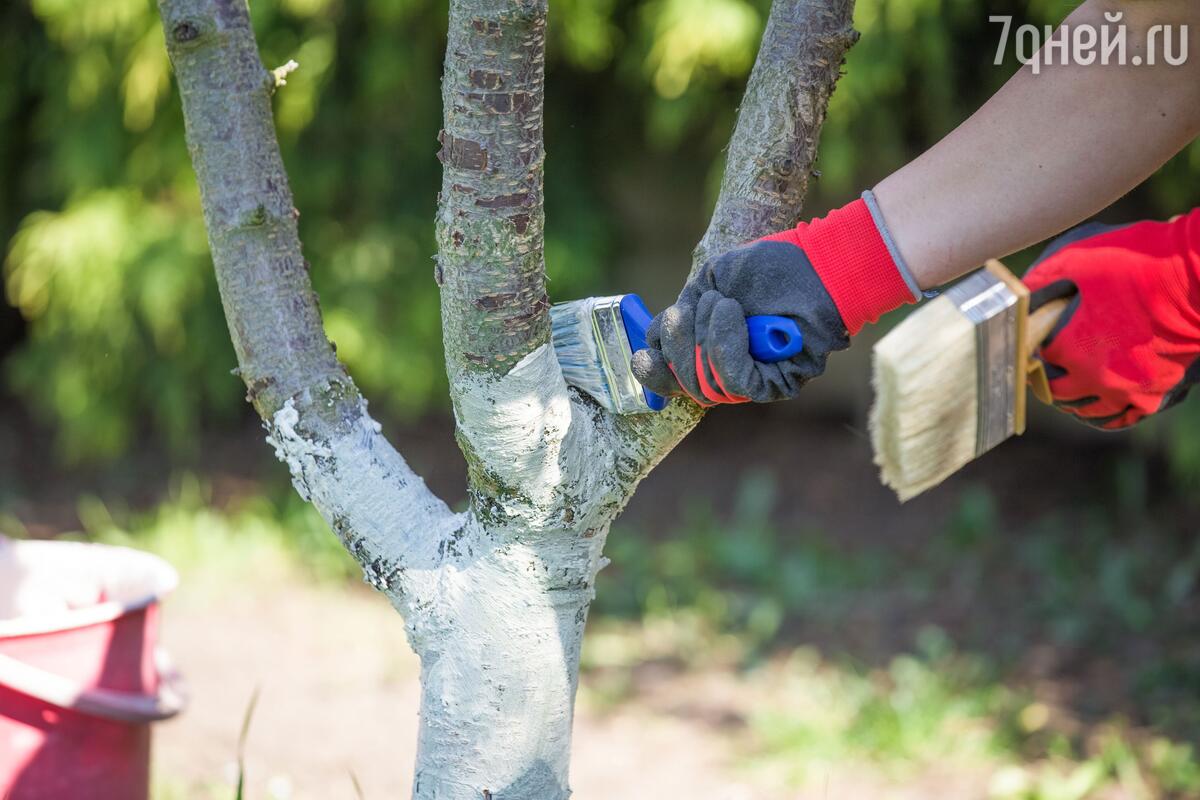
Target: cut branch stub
x=490, y=218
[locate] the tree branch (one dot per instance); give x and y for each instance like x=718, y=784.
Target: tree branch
x=774, y=145
x=771, y=157
x=511, y=404
x=248, y=210
x=490, y=218
x=318, y=422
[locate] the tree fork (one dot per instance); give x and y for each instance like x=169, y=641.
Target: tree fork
x=495, y=600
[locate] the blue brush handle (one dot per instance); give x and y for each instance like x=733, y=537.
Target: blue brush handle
x=772, y=339
x=637, y=319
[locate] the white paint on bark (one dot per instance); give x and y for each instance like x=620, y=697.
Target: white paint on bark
x=491, y=722
x=528, y=433
x=386, y=516
x=517, y=578
x=508, y=419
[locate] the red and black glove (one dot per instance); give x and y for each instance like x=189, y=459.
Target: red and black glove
x=1128, y=345
x=831, y=275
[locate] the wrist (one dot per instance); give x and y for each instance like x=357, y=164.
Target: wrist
x=855, y=256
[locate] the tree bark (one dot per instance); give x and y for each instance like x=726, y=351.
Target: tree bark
x=495, y=599
x=318, y=421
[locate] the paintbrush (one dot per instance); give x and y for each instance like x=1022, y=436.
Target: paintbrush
x=950, y=379
x=595, y=339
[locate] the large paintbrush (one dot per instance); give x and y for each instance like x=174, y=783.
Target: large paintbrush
x=950, y=380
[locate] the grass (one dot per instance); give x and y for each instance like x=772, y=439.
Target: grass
x=1097, y=587
x=785, y=614
x=266, y=537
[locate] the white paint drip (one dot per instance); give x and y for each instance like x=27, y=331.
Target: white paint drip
x=291, y=448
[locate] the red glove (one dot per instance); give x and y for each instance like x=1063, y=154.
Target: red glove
x=1128, y=345
x=852, y=252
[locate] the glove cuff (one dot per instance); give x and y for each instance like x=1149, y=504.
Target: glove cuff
x=849, y=250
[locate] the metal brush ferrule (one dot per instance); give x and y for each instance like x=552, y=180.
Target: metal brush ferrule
x=615, y=352
x=993, y=309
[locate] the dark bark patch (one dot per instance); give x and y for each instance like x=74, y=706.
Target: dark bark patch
x=185, y=31
x=488, y=27
x=491, y=302
x=462, y=153
x=256, y=387
x=458, y=238
x=522, y=318
x=503, y=102
x=776, y=185
x=458, y=187
x=476, y=359
x=485, y=79
x=520, y=222
x=504, y=201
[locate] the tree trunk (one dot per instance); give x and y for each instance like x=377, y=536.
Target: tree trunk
x=495, y=600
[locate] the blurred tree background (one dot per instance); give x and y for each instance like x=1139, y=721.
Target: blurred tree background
x=112, y=332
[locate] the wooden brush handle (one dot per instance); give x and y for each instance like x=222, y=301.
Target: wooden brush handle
x=1039, y=326
x=1042, y=322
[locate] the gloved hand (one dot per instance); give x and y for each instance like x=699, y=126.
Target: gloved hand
x=832, y=275
x=1128, y=345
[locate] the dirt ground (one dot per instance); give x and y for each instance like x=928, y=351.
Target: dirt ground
x=326, y=663
x=318, y=716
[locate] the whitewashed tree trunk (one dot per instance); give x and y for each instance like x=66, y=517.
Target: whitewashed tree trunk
x=495, y=599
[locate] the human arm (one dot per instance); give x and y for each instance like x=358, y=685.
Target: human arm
x=1048, y=150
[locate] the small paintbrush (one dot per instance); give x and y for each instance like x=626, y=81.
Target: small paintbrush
x=595, y=339
x=950, y=379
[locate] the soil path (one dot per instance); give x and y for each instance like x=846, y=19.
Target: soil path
x=338, y=695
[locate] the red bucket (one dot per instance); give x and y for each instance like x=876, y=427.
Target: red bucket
x=81, y=676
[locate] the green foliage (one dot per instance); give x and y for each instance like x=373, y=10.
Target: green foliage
x=126, y=318
x=742, y=572
x=932, y=706
x=107, y=260
x=257, y=537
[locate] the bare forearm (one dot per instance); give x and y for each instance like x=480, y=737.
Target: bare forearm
x=1047, y=151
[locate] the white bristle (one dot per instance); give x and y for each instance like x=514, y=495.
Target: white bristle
x=574, y=340
x=925, y=418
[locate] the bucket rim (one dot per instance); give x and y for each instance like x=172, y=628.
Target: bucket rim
x=165, y=577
